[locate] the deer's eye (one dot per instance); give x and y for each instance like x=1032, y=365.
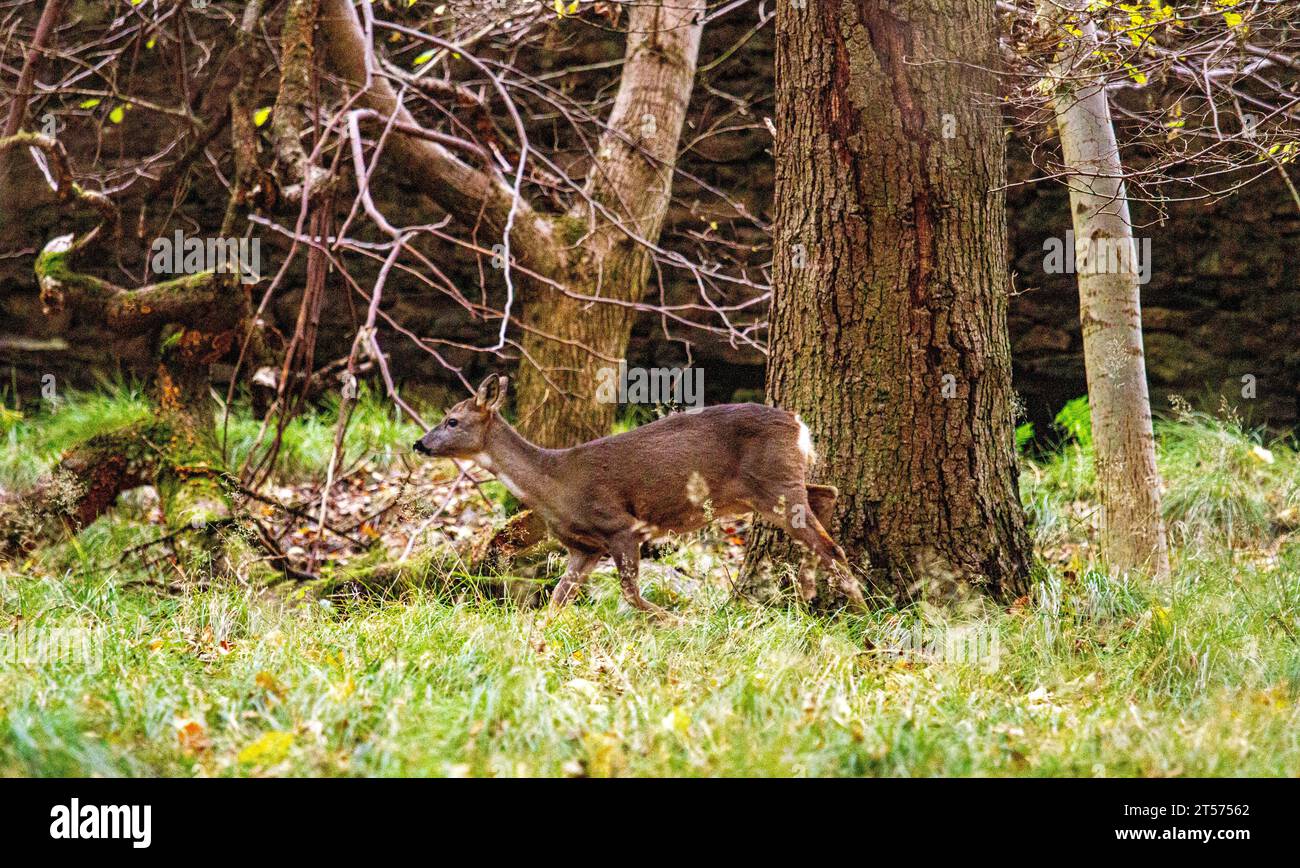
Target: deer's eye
x=452, y=423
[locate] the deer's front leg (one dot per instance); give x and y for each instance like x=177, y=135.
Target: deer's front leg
x=580, y=566
x=625, y=549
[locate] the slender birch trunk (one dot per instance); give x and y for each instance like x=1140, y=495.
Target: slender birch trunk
x=1110, y=310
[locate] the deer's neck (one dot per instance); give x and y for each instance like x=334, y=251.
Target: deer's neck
x=522, y=467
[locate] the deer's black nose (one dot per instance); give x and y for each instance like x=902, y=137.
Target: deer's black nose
x=421, y=448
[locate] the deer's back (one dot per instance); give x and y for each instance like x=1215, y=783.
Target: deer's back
x=671, y=471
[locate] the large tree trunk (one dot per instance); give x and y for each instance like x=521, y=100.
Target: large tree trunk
x=1110, y=310
x=888, y=316
x=569, y=339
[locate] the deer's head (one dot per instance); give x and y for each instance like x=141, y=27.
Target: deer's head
x=462, y=433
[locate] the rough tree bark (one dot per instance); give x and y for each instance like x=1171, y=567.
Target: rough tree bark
x=631, y=183
x=888, y=315
x=1110, y=309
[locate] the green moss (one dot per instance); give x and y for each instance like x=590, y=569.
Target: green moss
x=570, y=230
x=53, y=270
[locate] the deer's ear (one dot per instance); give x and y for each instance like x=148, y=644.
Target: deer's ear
x=485, y=391
x=500, y=397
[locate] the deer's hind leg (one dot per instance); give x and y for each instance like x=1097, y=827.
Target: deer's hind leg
x=798, y=515
x=815, y=537
x=821, y=498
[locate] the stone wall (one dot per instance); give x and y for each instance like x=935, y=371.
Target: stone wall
x=1223, y=300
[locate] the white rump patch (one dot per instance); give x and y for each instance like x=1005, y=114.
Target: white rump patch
x=805, y=443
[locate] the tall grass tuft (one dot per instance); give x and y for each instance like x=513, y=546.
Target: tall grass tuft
x=1225, y=485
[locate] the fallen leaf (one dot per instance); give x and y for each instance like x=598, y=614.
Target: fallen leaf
x=192, y=735
x=269, y=749
x=268, y=682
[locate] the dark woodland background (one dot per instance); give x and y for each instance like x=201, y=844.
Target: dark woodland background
x=1223, y=300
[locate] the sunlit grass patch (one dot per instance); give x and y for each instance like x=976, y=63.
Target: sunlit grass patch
x=378, y=431
x=1226, y=484
x=422, y=668
x=34, y=440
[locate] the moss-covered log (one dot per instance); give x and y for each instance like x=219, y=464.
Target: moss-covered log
x=197, y=324
x=171, y=453
x=77, y=491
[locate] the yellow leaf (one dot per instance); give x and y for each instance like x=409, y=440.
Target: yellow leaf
x=89, y=103
x=117, y=114
x=260, y=116
x=423, y=58
x=1162, y=617
x=342, y=691
x=604, y=753
x=270, y=748
x=677, y=721
x=1232, y=19
x=268, y=682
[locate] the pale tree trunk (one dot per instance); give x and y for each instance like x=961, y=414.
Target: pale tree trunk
x=1110, y=310
x=629, y=189
x=597, y=248
x=888, y=319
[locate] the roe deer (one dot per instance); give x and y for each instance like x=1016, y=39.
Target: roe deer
x=675, y=474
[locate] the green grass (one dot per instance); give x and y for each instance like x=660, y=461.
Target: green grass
x=1092, y=676
x=1227, y=485
x=33, y=442
x=378, y=431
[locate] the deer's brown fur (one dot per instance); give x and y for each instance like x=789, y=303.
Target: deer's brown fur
x=673, y=475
